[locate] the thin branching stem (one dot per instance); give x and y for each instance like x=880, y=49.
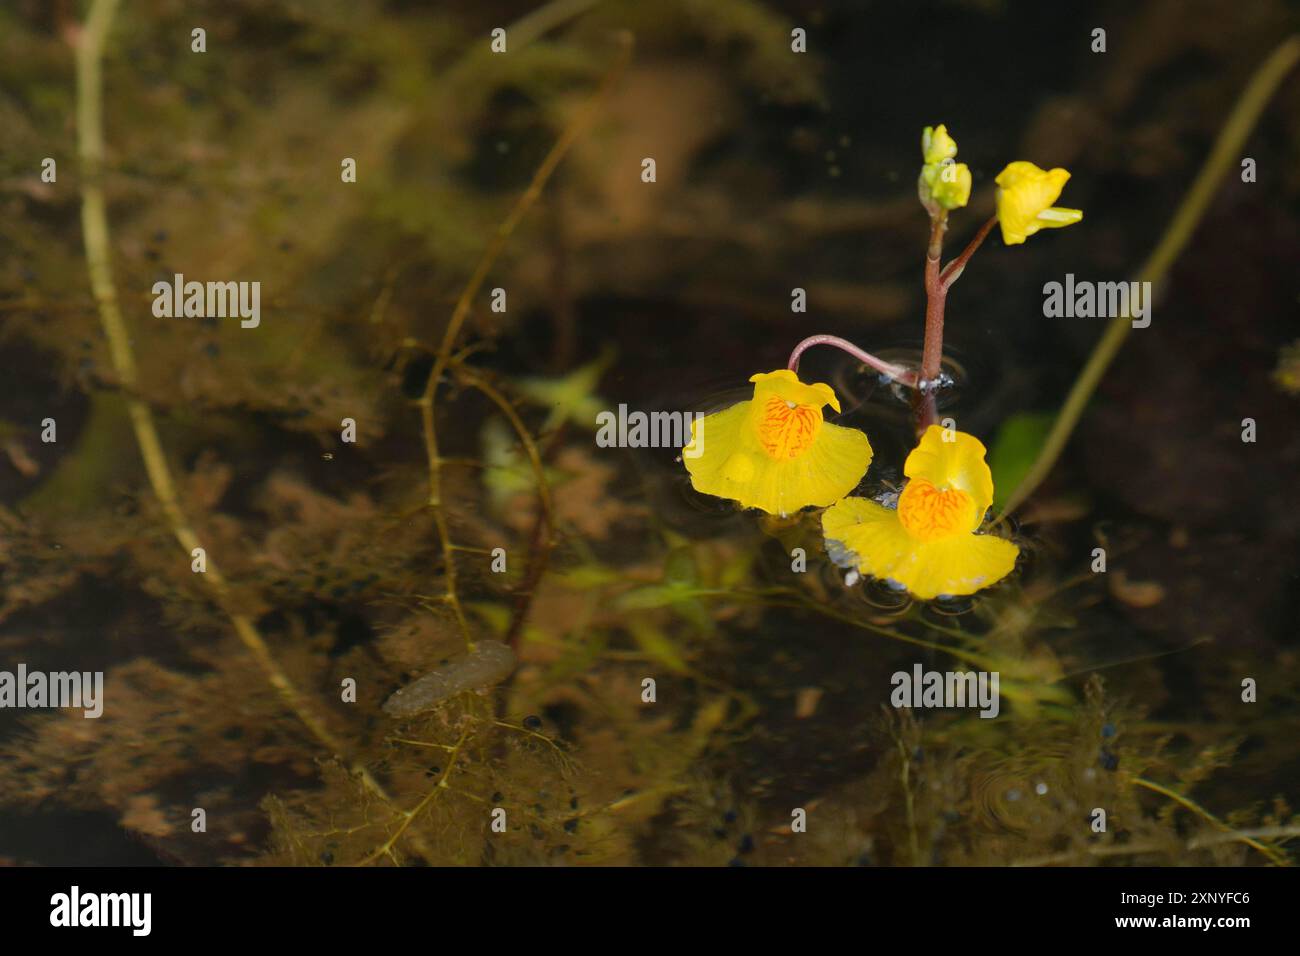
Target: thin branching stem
x=444, y=359
x=543, y=536
x=953, y=270
x=1274, y=855
x=89, y=49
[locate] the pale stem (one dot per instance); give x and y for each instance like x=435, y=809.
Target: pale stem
x=896, y=372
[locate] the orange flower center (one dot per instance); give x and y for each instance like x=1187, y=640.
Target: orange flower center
x=930, y=513
x=787, y=431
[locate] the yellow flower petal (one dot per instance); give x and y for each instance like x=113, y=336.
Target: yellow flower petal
x=955, y=464
x=873, y=539
x=775, y=452
x=930, y=513
x=1025, y=197
x=866, y=535
x=785, y=384
x=1056, y=217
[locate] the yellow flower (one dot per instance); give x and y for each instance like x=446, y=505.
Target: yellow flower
x=775, y=452
x=928, y=544
x=943, y=182
x=1025, y=197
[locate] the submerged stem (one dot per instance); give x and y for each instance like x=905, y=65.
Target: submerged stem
x=1275, y=856
x=443, y=358
x=89, y=48
x=1223, y=156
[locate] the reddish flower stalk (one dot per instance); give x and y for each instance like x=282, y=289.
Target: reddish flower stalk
x=952, y=271
x=936, y=294
x=938, y=280
x=924, y=409
x=895, y=372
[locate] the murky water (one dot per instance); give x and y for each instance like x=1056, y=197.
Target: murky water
x=257, y=533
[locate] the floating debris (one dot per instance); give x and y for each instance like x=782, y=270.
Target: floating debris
x=489, y=663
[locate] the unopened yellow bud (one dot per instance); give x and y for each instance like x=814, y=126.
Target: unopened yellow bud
x=937, y=145
x=944, y=183
x=949, y=184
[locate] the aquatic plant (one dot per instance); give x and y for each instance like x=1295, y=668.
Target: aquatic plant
x=776, y=454
x=433, y=645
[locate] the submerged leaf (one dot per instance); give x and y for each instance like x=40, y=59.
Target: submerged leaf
x=1015, y=449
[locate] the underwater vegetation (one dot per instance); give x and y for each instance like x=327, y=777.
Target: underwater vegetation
x=338, y=346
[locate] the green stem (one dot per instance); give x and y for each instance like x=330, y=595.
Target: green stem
x=1226, y=154
x=89, y=49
